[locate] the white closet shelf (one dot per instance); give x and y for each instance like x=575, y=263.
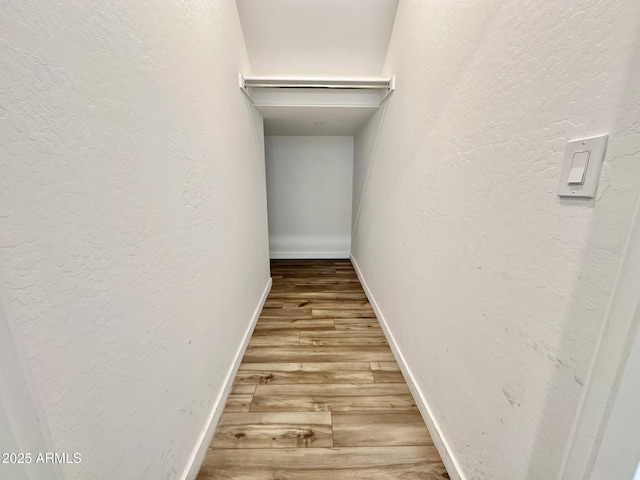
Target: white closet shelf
x=381, y=87
x=360, y=82
x=318, y=105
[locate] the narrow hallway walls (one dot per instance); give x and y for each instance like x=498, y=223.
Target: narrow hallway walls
x=133, y=224
x=493, y=288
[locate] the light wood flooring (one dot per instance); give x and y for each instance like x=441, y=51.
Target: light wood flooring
x=319, y=394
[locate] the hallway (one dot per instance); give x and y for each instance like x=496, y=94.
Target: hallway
x=478, y=163
x=319, y=393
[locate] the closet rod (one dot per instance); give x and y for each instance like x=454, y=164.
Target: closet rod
x=334, y=83
x=318, y=85
x=363, y=83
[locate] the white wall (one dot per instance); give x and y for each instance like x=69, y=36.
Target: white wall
x=133, y=226
x=616, y=443
x=619, y=452
x=21, y=428
x=12, y=471
x=493, y=288
x=364, y=149
x=309, y=187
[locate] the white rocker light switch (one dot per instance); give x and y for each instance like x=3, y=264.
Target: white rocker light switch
x=581, y=168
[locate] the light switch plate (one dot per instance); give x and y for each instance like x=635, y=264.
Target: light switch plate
x=594, y=147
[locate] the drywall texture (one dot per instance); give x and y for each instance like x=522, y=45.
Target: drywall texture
x=495, y=288
x=133, y=225
x=309, y=184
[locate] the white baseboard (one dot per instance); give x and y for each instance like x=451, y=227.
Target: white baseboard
x=209, y=429
x=308, y=255
x=449, y=460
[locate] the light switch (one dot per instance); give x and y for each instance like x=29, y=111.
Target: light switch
x=578, y=168
x=581, y=168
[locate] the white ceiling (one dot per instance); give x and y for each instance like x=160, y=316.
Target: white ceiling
x=314, y=120
x=312, y=111
x=317, y=37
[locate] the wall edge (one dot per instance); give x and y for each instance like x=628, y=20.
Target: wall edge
x=608, y=362
x=356, y=219
x=442, y=445
x=194, y=463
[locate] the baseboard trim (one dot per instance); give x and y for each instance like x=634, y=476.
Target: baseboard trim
x=441, y=444
x=308, y=255
x=200, y=451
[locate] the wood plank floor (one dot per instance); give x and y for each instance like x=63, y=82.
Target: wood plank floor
x=319, y=394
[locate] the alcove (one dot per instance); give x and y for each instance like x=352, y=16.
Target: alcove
x=309, y=124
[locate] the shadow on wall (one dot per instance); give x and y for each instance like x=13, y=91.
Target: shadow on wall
x=22, y=428
x=619, y=161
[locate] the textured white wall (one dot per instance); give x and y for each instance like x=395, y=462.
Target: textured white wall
x=309, y=185
x=133, y=225
x=494, y=288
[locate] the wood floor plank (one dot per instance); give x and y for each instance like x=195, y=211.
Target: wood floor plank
x=368, y=463
x=274, y=340
x=325, y=334
x=286, y=296
x=284, y=330
x=273, y=303
x=388, y=377
x=307, y=366
x=357, y=327
x=326, y=403
x=353, y=389
x=238, y=403
x=341, y=313
x=328, y=304
x=334, y=398
x=338, y=322
x=385, y=366
x=357, y=324
x=241, y=389
x=281, y=314
x=343, y=340
x=353, y=287
x=273, y=430
x=387, y=372
x=379, y=429
x=274, y=377
x=305, y=281
x=289, y=323
x=305, y=353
